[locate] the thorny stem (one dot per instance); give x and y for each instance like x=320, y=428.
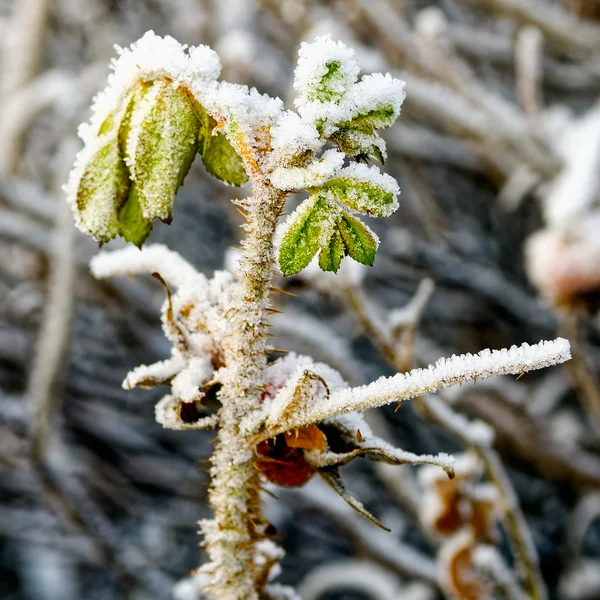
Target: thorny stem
x=517, y=529
x=233, y=495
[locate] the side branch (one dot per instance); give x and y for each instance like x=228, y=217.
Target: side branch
x=445, y=373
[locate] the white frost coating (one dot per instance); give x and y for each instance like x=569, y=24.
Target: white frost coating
x=372, y=175
x=280, y=372
x=151, y=57
x=466, y=466
x=372, y=93
x=167, y=414
x=155, y=258
x=315, y=61
x=377, y=98
x=375, y=447
x=444, y=373
x=161, y=373
x=314, y=174
x=186, y=384
x=268, y=552
x=356, y=173
x=292, y=136
x=193, y=320
x=241, y=107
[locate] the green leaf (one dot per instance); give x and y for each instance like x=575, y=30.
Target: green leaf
x=133, y=227
x=381, y=117
x=332, y=253
x=363, y=196
x=305, y=231
x=222, y=161
x=218, y=155
x=162, y=148
x=361, y=243
x=331, y=86
x=103, y=188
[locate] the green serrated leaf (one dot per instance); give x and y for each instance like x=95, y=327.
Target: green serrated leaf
x=222, y=161
x=361, y=243
x=133, y=227
x=163, y=149
x=332, y=253
x=102, y=190
x=124, y=127
x=380, y=117
x=363, y=196
x=306, y=229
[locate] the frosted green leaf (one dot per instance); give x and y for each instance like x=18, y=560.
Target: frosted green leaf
x=326, y=70
x=303, y=233
x=380, y=117
x=361, y=243
x=103, y=188
x=218, y=155
x=366, y=197
x=161, y=147
x=133, y=227
x=327, y=88
x=332, y=253
x=222, y=161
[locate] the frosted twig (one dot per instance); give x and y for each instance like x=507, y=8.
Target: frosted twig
x=518, y=531
x=498, y=48
x=557, y=25
x=528, y=69
x=23, y=43
x=480, y=437
x=54, y=332
x=490, y=562
x=152, y=259
x=445, y=373
x=368, y=578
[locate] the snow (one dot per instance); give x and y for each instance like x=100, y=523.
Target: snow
x=371, y=174
x=291, y=135
x=151, y=57
x=313, y=175
x=155, y=258
x=355, y=174
x=314, y=63
x=166, y=413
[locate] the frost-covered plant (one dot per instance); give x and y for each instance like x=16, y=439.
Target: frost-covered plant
x=293, y=418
